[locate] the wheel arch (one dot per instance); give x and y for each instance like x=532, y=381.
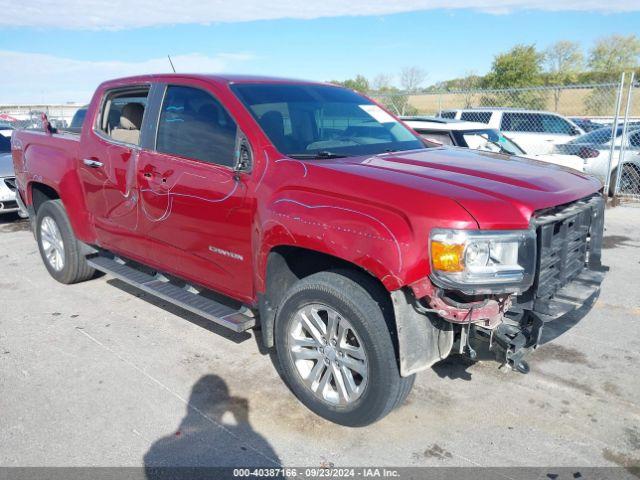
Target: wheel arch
x=38, y=192
x=286, y=265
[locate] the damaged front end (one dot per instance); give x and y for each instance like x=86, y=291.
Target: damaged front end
x=491, y=293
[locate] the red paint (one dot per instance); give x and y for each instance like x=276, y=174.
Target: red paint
x=375, y=212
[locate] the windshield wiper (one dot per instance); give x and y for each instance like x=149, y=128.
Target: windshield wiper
x=322, y=154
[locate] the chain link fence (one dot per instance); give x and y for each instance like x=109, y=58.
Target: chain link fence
x=626, y=178
x=585, y=122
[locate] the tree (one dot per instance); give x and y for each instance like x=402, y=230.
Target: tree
x=564, y=61
x=468, y=84
x=411, y=78
x=359, y=83
x=615, y=53
x=390, y=96
x=519, y=67
x=382, y=81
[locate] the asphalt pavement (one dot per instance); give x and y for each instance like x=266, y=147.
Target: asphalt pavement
x=99, y=374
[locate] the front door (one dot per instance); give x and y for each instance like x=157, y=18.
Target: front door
x=192, y=202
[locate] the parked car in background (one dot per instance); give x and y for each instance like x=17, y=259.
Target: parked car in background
x=6, y=129
x=535, y=131
x=478, y=136
x=8, y=202
x=587, y=124
x=595, y=147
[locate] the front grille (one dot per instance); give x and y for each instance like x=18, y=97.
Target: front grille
x=10, y=182
x=568, y=237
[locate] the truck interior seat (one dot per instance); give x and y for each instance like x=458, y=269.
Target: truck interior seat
x=130, y=123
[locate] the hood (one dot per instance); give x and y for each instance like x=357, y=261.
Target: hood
x=6, y=165
x=569, y=161
x=499, y=191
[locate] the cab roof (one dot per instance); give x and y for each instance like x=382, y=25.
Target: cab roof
x=214, y=78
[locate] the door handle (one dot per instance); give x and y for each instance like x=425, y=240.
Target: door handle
x=90, y=162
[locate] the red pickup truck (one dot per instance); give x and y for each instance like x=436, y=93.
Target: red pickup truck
x=309, y=211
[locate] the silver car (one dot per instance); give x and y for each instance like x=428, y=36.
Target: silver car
x=7, y=180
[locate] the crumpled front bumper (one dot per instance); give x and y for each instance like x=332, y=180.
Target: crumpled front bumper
x=567, y=284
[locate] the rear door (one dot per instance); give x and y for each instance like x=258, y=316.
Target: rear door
x=192, y=202
x=109, y=150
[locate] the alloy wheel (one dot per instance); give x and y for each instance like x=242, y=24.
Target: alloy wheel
x=328, y=354
x=52, y=244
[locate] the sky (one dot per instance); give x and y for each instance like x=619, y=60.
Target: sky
x=59, y=50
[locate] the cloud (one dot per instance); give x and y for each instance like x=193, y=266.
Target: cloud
x=124, y=14
x=32, y=77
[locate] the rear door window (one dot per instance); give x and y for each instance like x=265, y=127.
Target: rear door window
x=195, y=125
x=122, y=114
x=555, y=124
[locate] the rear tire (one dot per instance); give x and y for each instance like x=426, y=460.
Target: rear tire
x=60, y=250
x=355, y=371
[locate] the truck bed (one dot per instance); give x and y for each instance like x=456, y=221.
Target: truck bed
x=42, y=151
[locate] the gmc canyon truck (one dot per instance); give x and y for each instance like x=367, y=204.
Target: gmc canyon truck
x=309, y=211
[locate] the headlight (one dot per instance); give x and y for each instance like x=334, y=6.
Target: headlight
x=478, y=262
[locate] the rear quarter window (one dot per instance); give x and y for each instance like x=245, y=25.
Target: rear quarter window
x=447, y=114
x=480, y=117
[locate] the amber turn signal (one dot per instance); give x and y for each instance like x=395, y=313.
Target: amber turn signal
x=447, y=257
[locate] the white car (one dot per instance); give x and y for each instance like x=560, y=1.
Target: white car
x=8, y=202
x=6, y=129
x=595, y=147
x=534, y=130
x=478, y=136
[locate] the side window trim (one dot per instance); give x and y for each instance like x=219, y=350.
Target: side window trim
x=151, y=117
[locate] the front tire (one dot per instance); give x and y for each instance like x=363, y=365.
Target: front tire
x=60, y=250
x=336, y=351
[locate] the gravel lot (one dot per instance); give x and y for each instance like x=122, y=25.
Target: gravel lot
x=100, y=374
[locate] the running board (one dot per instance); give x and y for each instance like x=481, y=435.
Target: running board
x=186, y=298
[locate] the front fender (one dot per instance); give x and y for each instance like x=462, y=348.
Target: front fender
x=373, y=237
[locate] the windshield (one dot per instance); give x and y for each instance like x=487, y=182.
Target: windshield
x=322, y=121
x=490, y=141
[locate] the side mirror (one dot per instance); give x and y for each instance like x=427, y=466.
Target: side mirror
x=244, y=156
x=46, y=125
